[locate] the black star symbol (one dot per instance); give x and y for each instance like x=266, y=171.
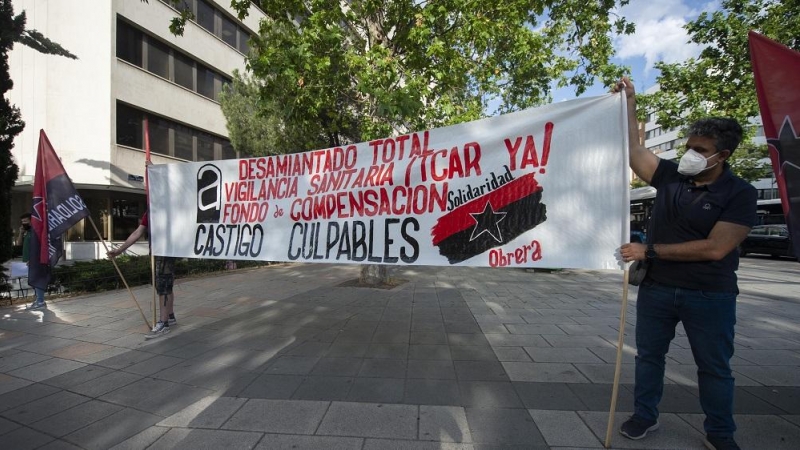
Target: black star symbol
x=487, y=222
x=787, y=144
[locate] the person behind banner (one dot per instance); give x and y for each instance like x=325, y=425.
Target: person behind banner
x=24, y=239
x=702, y=212
x=165, y=279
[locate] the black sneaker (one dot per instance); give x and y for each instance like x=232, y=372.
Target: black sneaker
x=720, y=443
x=636, y=428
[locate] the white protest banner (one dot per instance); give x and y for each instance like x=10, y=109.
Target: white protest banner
x=544, y=187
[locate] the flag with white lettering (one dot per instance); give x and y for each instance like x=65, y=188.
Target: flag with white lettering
x=776, y=68
x=56, y=207
x=543, y=187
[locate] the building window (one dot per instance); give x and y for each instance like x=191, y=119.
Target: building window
x=205, y=16
x=184, y=143
x=205, y=147
x=159, y=58
x=169, y=138
x=184, y=71
x=125, y=218
x=129, y=43
x=228, y=31
x=129, y=126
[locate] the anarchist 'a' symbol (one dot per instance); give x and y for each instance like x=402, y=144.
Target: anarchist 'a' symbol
x=209, y=194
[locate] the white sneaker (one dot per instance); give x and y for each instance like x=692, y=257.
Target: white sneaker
x=159, y=330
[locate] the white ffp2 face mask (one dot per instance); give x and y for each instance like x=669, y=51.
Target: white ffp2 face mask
x=692, y=163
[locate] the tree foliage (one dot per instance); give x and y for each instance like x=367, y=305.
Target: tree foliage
x=254, y=128
x=720, y=80
x=12, y=30
x=336, y=72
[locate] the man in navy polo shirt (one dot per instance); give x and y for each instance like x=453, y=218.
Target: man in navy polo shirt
x=702, y=212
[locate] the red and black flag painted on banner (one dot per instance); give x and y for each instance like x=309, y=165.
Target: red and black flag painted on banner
x=56, y=207
x=490, y=220
x=776, y=68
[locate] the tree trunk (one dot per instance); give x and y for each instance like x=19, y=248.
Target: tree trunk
x=373, y=275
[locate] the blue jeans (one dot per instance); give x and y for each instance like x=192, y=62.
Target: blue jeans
x=709, y=319
x=39, y=295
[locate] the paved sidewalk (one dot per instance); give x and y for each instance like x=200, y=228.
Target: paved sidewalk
x=455, y=358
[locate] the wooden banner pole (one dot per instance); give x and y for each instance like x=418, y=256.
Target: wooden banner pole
x=618, y=368
x=113, y=261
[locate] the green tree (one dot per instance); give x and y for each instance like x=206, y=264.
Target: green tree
x=12, y=29
x=720, y=80
x=337, y=72
x=254, y=127
x=340, y=72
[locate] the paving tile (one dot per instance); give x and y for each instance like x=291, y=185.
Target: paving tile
x=597, y=397
x=431, y=369
x=337, y=367
x=548, y=396
x=786, y=398
x=387, y=351
x=564, y=429
x=516, y=340
x=480, y=370
x=370, y=420
x=769, y=376
x=674, y=433
x=209, y=412
x=25, y=395
x=293, y=365
x=43, y=370
x=604, y=373
x=383, y=368
x=470, y=339
x=562, y=355
x=543, y=372
x=434, y=352
x=7, y=425
x=428, y=338
x=472, y=353
x=347, y=349
x=489, y=394
x=107, y=432
x=323, y=388
x=317, y=349
x=59, y=445
x=540, y=329
x=278, y=416
x=127, y=359
x=515, y=354
x=20, y=359
x=757, y=431
x=272, y=386
x=105, y=384
x=159, y=397
x=24, y=438
x=377, y=390
x=9, y=383
x=93, y=358
x=180, y=438
x=153, y=365
x=294, y=442
x=443, y=424
x=38, y=409
x=142, y=439
x=504, y=426
x=78, y=376
x=387, y=444
x=432, y=392
x=75, y=418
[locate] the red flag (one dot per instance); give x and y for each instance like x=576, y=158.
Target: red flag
x=56, y=207
x=776, y=68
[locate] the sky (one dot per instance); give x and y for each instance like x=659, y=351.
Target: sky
x=659, y=36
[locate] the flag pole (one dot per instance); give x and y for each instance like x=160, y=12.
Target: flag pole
x=119, y=271
x=147, y=200
x=618, y=367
